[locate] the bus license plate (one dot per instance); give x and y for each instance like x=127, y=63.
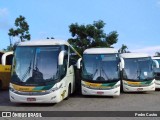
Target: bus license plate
x=139, y=89
x=31, y=99
x=100, y=93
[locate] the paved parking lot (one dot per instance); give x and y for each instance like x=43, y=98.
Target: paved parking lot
x=149, y=101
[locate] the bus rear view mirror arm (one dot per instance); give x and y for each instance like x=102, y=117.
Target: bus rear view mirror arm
x=121, y=64
x=4, y=57
x=61, y=57
x=79, y=63
x=156, y=63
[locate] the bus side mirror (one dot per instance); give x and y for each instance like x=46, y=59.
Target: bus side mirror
x=4, y=57
x=61, y=57
x=156, y=64
x=121, y=64
x=79, y=63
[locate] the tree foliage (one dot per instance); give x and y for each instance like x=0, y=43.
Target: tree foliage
x=22, y=29
x=11, y=47
x=157, y=54
x=91, y=35
x=123, y=49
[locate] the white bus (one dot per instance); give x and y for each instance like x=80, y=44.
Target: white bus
x=157, y=71
x=42, y=72
x=100, y=72
x=137, y=72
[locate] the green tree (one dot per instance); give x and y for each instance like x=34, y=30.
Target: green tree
x=123, y=49
x=22, y=29
x=157, y=54
x=91, y=35
x=9, y=48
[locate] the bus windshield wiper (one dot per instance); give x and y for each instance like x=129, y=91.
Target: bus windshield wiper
x=95, y=72
x=104, y=73
x=139, y=75
x=27, y=71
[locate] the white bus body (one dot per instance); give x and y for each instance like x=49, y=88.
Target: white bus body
x=100, y=72
x=137, y=72
x=157, y=72
x=42, y=72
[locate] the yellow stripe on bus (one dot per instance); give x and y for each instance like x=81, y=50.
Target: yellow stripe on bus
x=92, y=84
x=23, y=88
x=133, y=83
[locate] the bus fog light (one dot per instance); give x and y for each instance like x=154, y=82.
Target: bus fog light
x=85, y=91
x=53, y=97
x=12, y=97
x=116, y=92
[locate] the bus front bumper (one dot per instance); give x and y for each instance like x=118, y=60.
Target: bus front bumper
x=127, y=88
x=52, y=97
x=110, y=92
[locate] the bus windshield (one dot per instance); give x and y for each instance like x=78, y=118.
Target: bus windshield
x=138, y=69
x=35, y=65
x=100, y=67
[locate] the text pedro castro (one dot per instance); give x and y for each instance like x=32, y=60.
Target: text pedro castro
x=146, y=114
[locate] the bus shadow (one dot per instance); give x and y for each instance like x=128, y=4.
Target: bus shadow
x=136, y=92
x=79, y=95
x=34, y=104
x=4, y=101
x=157, y=89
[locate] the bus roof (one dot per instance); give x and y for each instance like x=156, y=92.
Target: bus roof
x=100, y=51
x=156, y=57
x=44, y=42
x=134, y=55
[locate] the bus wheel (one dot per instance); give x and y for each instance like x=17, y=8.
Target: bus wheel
x=69, y=92
x=0, y=85
x=121, y=87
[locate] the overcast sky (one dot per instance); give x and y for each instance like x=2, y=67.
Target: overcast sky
x=136, y=21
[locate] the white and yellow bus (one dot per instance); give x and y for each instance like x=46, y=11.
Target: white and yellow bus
x=42, y=72
x=5, y=69
x=137, y=72
x=100, y=72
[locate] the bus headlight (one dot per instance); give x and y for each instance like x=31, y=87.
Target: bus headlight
x=116, y=86
x=54, y=89
x=51, y=90
x=152, y=83
x=11, y=89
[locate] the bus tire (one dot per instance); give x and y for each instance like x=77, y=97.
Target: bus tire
x=69, y=92
x=121, y=87
x=0, y=85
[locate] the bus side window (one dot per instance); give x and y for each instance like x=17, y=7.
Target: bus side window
x=9, y=59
